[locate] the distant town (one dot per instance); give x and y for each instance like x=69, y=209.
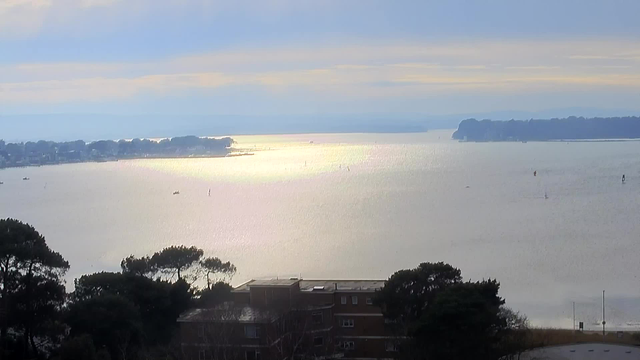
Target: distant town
x=50, y=153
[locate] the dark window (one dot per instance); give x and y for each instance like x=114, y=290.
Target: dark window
x=252, y=331
x=252, y=355
x=316, y=318
x=318, y=341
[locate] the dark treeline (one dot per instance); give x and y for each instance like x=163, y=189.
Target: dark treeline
x=129, y=314
x=571, y=128
x=49, y=152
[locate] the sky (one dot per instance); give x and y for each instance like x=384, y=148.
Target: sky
x=272, y=58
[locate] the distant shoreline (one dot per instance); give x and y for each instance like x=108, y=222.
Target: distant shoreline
x=162, y=157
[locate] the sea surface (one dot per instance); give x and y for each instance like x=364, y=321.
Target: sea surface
x=350, y=206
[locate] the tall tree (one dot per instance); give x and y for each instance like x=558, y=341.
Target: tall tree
x=464, y=322
x=138, y=266
x=31, y=278
x=213, y=266
x=175, y=260
x=407, y=293
x=111, y=320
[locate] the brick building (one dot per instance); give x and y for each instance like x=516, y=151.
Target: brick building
x=285, y=319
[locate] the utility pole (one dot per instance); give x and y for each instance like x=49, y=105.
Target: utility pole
x=574, y=317
x=603, y=319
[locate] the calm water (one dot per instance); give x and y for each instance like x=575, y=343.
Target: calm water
x=363, y=206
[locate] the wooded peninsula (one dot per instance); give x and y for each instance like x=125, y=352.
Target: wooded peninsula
x=571, y=128
x=49, y=152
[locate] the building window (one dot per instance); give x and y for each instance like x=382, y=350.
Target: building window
x=354, y=300
x=369, y=301
x=316, y=318
x=201, y=331
x=343, y=300
x=347, y=345
x=252, y=331
x=392, y=346
x=202, y=355
x=348, y=323
x=318, y=341
x=252, y=355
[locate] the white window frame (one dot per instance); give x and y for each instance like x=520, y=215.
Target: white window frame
x=348, y=323
x=318, y=337
x=369, y=301
x=348, y=345
x=354, y=299
x=343, y=300
x=256, y=332
x=391, y=346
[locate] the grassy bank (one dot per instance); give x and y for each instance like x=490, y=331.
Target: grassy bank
x=550, y=337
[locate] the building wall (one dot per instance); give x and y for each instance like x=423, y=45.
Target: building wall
x=368, y=334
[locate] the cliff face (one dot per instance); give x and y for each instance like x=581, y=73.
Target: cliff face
x=572, y=128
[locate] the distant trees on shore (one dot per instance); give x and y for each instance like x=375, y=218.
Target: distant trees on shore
x=571, y=128
x=49, y=152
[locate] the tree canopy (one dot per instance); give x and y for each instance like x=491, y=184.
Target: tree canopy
x=438, y=316
x=407, y=293
x=31, y=278
x=109, y=315
x=175, y=260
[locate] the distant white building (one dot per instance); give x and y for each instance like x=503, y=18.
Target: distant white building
x=594, y=351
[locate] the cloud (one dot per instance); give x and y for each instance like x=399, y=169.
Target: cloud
x=343, y=71
x=22, y=17
x=92, y=3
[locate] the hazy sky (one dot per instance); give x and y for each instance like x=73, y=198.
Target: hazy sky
x=306, y=57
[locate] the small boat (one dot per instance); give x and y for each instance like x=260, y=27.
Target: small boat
x=546, y=196
x=176, y=193
x=25, y=178
x=1, y=183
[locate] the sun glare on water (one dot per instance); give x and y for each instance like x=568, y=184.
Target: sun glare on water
x=268, y=159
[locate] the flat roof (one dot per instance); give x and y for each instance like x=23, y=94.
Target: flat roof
x=318, y=285
x=589, y=351
x=274, y=282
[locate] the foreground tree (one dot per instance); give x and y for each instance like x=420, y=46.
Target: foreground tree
x=138, y=266
x=408, y=293
x=175, y=260
x=31, y=278
x=216, y=271
x=463, y=322
x=434, y=315
x=111, y=321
